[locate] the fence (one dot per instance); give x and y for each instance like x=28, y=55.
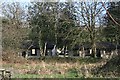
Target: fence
x=5, y=74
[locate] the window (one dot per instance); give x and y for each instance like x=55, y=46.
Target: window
x=33, y=51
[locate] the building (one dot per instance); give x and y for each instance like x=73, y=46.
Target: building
x=30, y=49
x=103, y=49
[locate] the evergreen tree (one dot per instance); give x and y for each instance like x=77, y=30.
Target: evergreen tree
x=112, y=31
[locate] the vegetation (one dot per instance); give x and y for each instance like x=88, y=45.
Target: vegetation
x=66, y=25
x=111, y=32
x=63, y=24
x=111, y=68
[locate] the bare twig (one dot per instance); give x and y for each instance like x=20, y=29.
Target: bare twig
x=110, y=15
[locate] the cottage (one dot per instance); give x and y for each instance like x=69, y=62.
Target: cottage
x=103, y=49
x=30, y=49
x=106, y=49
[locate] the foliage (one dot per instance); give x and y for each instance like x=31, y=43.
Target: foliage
x=111, y=68
x=112, y=31
x=73, y=72
x=51, y=22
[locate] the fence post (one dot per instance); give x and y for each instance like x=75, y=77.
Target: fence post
x=4, y=74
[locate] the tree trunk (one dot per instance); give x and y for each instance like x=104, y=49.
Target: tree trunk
x=45, y=49
x=83, y=52
x=93, y=44
x=93, y=50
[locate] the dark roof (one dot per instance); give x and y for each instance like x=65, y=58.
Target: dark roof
x=50, y=46
x=85, y=45
x=105, y=45
x=29, y=44
x=99, y=45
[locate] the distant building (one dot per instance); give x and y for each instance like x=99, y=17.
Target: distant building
x=30, y=49
x=103, y=49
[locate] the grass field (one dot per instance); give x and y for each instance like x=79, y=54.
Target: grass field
x=54, y=67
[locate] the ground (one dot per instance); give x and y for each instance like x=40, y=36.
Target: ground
x=54, y=67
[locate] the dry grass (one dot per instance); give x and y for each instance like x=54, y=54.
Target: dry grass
x=46, y=67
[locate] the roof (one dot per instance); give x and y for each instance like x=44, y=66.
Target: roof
x=99, y=45
x=50, y=45
x=29, y=44
x=105, y=45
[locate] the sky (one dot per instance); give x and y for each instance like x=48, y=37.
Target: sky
x=25, y=2
x=55, y=0
x=15, y=1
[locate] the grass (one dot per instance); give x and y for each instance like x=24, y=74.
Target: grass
x=70, y=73
x=67, y=75
x=68, y=59
x=50, y=67
x=66, y=79
x=7, y=65
x=89, y=60
x=26, y=76
x=58, y=67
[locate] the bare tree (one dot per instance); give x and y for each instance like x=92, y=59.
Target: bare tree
x=14, y=13
x=90, y=12
x=13, y=32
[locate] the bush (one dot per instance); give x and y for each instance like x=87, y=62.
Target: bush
x=73, y=72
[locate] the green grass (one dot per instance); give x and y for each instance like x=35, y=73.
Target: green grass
x=66, y=79
x=38, y=76
x=67, y=75
x=26, y=76
x=73, y=72
x=70, y=73
x=7, y=65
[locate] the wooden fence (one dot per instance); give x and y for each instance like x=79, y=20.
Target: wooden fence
x=5, y=74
